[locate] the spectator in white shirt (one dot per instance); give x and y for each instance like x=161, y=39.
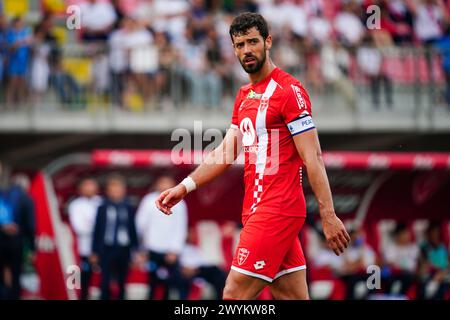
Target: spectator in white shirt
x=97, y=20
x=370, y=62
x=168, y=16
x=401, y=257
x=163, y=237
x=133, y=58
x=334, y=65
x=277, y=14
x=82, y=214
x=355, y=261
x=348, y=26
x=429, y=19
x=319, y=28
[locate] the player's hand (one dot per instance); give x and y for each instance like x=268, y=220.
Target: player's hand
x=335, y=234
x=167, y=199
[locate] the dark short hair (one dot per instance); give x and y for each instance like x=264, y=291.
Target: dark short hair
x=115, y=177
x=399, y=228
x=245, y=21
x=433, y=225
x=85, y=179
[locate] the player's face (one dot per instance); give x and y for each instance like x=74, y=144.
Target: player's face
x=251, y=50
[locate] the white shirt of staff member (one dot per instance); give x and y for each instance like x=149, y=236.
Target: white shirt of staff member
x=82, y=214
x=158, y=232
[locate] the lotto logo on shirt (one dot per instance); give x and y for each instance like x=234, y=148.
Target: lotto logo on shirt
x=298, y=94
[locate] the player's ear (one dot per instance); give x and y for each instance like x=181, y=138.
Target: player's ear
x=269, y=42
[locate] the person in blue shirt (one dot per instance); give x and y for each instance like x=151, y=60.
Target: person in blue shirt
x=443, y=47
x=17, y=230
x=434, y=265
x=18, y=41
x=3, y=28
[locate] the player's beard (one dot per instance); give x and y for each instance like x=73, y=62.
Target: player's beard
x=257, y=65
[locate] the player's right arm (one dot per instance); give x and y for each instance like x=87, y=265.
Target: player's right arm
x=215, y=163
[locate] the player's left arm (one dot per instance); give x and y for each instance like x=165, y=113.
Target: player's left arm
x=308, y=147
x=297, y=115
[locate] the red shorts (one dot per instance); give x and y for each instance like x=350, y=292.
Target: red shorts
x=269, y=246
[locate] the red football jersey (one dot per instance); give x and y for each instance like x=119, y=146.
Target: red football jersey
x=268, y=114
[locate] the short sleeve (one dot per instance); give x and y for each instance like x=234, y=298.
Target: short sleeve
x=234, y=118
x=296, y=111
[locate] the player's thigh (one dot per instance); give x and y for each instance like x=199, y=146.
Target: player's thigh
x=239, y=286
x=264, y=243
x=291, y=286
x=290, y=281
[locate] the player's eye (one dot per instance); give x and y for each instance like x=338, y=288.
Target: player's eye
x=239, y=45
x=254, y=41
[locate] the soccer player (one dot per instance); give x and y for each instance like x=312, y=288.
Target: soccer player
x=272, y=122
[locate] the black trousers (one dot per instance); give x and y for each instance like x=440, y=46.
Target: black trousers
x=375, y=86
x=11, y=257
x=86, y=275
x=172, y=280
x=114, y=263
x=351, y=280
x=211, y=274
x=405, y=279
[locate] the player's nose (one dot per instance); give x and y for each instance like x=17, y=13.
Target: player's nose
x=247, y=49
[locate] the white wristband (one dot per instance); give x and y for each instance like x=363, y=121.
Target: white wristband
x=189, y=183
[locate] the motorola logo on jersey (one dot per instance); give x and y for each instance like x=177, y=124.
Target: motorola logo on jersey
x=248, y=132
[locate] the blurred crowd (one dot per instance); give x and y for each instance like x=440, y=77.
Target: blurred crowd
x=112, y=236
x=406, y=267
x=116, y=236
x=142, y=51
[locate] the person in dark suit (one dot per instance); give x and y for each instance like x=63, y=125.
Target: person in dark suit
x=114, y=239
x=17, y=233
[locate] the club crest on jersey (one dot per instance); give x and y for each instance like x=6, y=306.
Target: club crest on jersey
x=298, y=95
x=253, y=95
x=242, y=255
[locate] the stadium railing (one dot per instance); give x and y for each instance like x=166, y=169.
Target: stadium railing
x=79, y=92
